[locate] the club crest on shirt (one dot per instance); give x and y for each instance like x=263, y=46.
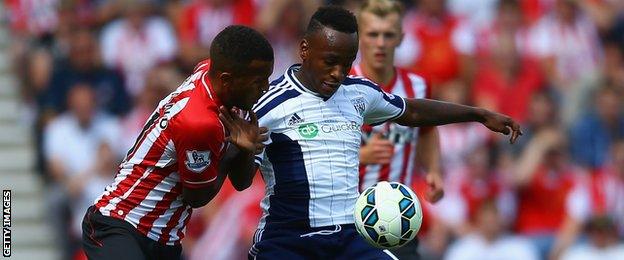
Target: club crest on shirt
x=359, y=104
x=197, y=161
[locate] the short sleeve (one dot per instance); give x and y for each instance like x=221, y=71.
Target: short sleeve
x=199, y=148
x=379, y=106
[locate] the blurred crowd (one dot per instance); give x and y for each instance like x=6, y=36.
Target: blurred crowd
x=92, y=71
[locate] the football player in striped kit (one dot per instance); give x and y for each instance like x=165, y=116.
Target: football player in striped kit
x=314, y=114
x=194, y=140
x=392, y=152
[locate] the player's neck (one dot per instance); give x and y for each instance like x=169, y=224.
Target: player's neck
x=217, y=87
x=303, y=78
x=382, y=76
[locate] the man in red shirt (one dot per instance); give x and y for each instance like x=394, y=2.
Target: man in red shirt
x=392, y=152
x=183, y=154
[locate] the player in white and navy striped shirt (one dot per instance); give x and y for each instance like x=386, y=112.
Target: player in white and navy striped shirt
x=310, y=165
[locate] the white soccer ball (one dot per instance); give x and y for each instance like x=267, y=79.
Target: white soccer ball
x=388, y=214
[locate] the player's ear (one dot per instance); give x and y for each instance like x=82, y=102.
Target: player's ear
x=304, y=49
x=226, y=79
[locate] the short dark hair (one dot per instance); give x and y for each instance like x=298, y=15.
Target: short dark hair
x=334, y=17
x=236, y=46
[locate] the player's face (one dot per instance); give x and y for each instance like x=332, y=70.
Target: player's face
x=327, y=58
x=249, y=86
x=379, y=37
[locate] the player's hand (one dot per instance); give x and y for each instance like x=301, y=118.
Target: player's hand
x=502, y=124
x=436, y=188
x=377, y=150
x=246, y=135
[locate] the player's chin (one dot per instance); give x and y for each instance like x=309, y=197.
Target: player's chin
x=328, y=91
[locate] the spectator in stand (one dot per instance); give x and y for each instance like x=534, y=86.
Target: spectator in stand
x=88, y=186
x=160, y=81
x=566, y=42
x=478, y=13
x=233, y=229
x=37, y=18
x=481, y=182
x=436, y=45
x=83, y=65
x=604, y=199
x=459, y=140
x=603, y=243
x=489, y=241
x=548, y=187
x=284, y=21
x=137, y=42
x=592, y=135
x=70, y=146
x=201, y=20
x=506, y=79
x=613, y=67
x=507, y=25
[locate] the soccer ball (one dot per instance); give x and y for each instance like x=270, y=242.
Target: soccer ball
x=388, y=214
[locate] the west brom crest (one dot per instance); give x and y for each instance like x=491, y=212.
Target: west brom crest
x=359, y=105
x=197, y=161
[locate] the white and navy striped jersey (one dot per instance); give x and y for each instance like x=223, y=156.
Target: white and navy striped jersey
x=401, y=168
x=310, y=164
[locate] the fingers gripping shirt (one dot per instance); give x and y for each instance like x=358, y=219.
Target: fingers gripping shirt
x=310, y=163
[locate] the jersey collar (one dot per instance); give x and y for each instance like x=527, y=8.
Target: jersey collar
x=290, y=75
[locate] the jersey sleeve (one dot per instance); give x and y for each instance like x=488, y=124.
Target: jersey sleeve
x=380, y=106
x=199, y=147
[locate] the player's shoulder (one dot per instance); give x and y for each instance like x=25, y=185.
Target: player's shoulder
x=195, y=124
x=414, y=78
x=189, y=110
x=352, y=81
x=280, y=92
x=418, y=83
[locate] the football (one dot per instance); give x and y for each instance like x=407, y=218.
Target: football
x=388, y=214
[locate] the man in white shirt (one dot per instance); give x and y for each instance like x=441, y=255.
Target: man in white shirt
x=314, y=114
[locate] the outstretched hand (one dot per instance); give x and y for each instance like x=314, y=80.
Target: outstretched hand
x=246, y=135
x=502, y=124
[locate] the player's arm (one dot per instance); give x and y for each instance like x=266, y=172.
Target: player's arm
x=198, y=197
x=247, y=140
x=426, y=112
x=199, y=147
x=428, y=156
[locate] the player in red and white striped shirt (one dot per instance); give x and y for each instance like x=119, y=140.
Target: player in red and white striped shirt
x=182, y=156
x=390, y=151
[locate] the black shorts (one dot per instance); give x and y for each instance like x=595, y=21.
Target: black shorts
x=109, y=238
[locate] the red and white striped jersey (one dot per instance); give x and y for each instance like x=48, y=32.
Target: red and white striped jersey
x=180, y=146
x=404, y=84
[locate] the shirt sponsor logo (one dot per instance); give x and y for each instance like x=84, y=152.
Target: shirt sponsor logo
x=164, y=121
x=311, y=130
x=197, y=161
x=308, y=130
